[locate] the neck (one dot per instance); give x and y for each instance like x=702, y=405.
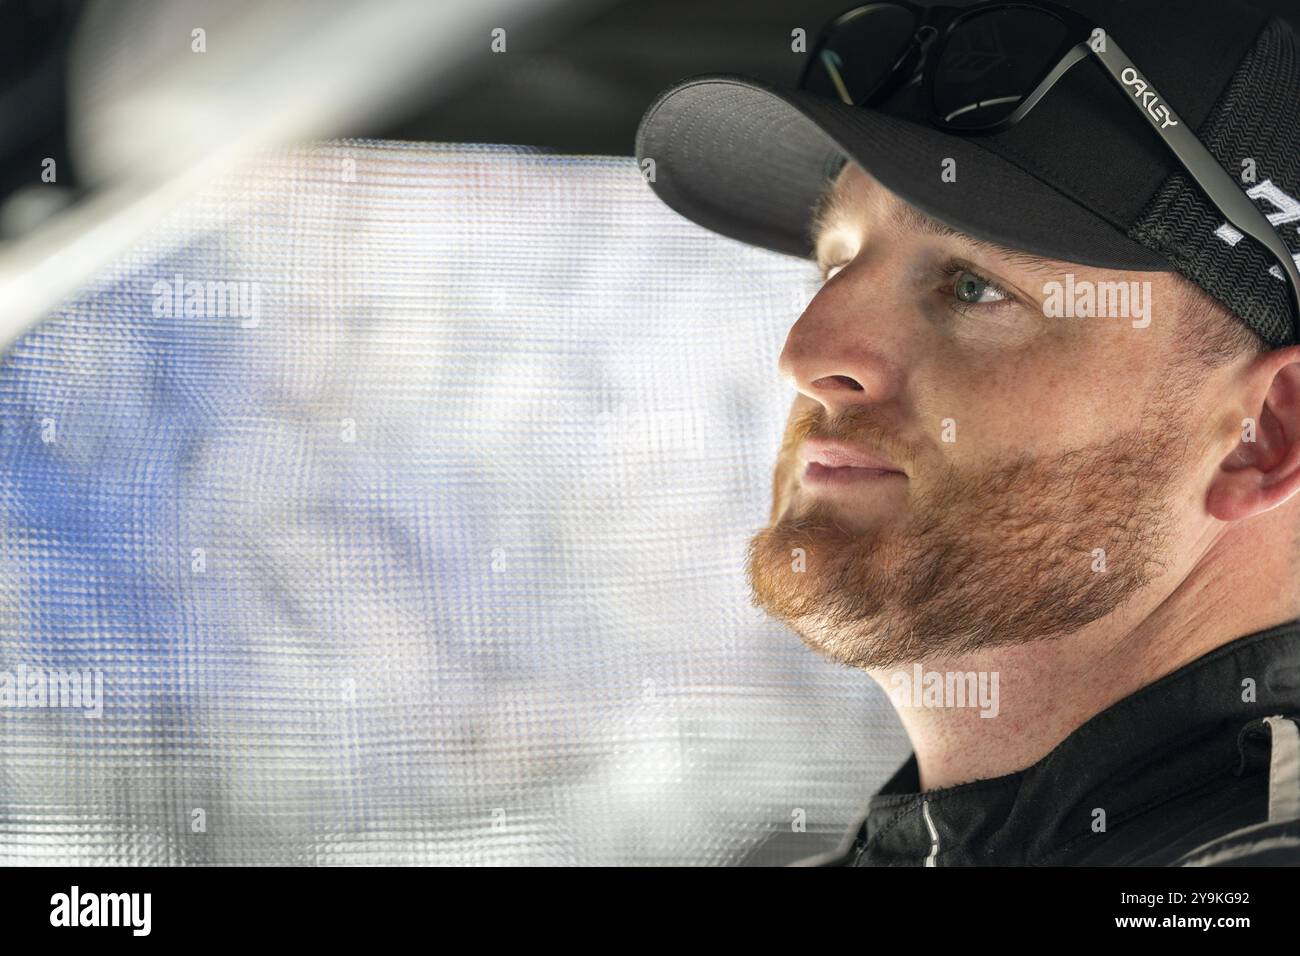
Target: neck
x=1047, y=689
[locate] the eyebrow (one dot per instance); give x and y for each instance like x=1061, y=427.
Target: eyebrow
x=832, y=207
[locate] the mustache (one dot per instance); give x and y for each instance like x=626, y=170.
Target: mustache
x=853, y=426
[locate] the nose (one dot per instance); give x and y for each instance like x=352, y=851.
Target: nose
x=836, y=352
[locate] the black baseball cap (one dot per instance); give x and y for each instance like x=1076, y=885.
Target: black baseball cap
x=1082, y=178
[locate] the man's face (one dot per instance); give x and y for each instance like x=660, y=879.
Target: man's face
x=1041, y=465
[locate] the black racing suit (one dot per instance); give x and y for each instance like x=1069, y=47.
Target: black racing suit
x=1201, y=767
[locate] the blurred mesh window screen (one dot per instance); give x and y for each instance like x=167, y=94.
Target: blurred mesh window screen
x=426, y=545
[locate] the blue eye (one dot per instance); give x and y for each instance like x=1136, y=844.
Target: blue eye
x=972, y=289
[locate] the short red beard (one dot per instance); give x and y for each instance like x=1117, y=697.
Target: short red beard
x=1001, y=557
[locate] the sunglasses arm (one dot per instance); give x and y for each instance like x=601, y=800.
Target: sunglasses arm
x=1200, y=163
x=1074, y=55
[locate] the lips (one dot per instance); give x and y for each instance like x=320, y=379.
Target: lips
x=838, y=455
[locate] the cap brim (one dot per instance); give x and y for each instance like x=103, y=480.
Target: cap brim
x=748, y=160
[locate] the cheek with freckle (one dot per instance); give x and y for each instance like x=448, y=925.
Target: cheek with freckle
x=1011, y=330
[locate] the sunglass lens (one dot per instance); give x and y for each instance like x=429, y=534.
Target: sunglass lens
x=992, y=61
x=859, y=52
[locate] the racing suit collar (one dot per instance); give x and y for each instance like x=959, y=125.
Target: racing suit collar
x=1165, y=740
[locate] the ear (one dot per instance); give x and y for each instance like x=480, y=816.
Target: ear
x=1259, y=475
